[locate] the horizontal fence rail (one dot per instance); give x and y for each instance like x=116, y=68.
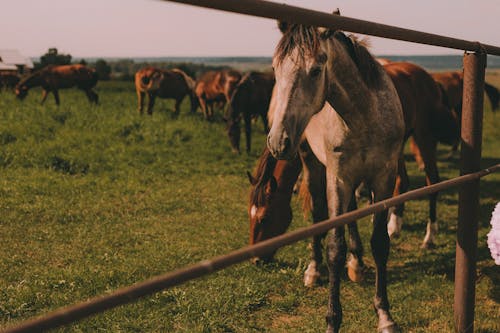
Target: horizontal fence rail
x=129, y=294
x=294, y=14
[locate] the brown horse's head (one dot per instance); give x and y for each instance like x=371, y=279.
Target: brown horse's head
x=21, y=91
x=269, y=206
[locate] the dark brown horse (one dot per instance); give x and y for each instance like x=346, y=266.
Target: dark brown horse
x=250, y=99
x=52, y=78
x=8, y=81
x=215, y=87
x=162, y=83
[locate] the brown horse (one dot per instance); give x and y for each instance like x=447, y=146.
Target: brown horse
x=8, y=80
x=428, y=121
x=163, y=83
x=215, y=87
x=52, y=78
x=452, y=84
x=250, y=99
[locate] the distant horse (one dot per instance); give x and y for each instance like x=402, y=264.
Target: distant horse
x=163, y=83
x=452, y=83
x=250, y=99
x=358, y=140
x=215, y=87
x=427, y=121
x=8, y=81
x=52, y=78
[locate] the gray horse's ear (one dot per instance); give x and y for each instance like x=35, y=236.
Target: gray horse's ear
x=326, y=33
x=252, y=180
x=283, y=26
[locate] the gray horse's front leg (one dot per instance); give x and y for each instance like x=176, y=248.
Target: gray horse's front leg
x=338, y=195
x=380, y=244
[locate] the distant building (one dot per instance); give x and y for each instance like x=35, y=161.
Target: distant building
x=11, y=61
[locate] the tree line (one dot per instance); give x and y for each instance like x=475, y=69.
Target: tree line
x=120, y=69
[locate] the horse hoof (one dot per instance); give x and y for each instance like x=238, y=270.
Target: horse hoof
x=428, y=245
x=355, y=272
x=390, y=329
x=311, y=275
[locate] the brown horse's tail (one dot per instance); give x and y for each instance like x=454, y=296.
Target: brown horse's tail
x=493, y=95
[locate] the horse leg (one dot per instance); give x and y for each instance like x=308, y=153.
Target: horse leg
x=265, y=122
x=56, y=96
x=431, y=177
x=140, y=101
x=314, y=182
x=92, y=96
x=338, y=195
x=204, y=107
x=248, y=132
x=151, y=103
x=416, y=153
x=177, y=107
x=402, y=183
x=45, y=93
x=355, y=264
x=380, y=244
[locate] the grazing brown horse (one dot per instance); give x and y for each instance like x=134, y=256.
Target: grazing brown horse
x=214, y=87
x=427, y=121
x=52, y=78
x=162, y=83
x=8, y=81
x=250, y=99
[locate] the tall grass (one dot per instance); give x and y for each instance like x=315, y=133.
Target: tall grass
x=97, y=198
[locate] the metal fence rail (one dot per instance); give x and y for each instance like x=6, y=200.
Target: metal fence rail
x=130, y=294
x=294, y=14
x=474, y=71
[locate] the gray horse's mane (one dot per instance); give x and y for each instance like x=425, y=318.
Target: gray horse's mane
x=307, y=39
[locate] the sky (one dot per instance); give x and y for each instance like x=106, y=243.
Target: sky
x=154, y=28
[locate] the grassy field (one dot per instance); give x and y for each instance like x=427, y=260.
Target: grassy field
x=96, y=198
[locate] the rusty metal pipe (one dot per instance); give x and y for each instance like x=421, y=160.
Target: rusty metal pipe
x=294, y=14
x=468, y=195
x=129, y=294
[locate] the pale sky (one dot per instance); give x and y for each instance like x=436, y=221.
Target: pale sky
x=152, y=28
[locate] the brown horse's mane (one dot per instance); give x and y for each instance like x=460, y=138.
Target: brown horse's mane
x=307, y=39
x=263, y=174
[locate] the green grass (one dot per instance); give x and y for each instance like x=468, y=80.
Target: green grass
x=97, y=198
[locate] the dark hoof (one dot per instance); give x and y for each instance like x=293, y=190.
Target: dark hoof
x=428, y=246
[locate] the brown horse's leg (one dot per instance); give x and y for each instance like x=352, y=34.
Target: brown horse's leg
x=92, y=96
x=204, y=107
x=151, y=103
x=177, y=107
x=428, y=149
x=56, y=96
x=45, y=93
x=380, y=244
x=314, y=178
x=416, y=153
x=248, y=131
x=140, y=101
x=265, y=121
x=402, y=184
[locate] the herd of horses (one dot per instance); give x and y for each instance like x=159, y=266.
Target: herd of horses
x=338, y=116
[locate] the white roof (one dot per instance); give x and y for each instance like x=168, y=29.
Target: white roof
x=13, y=57
x=5, y=67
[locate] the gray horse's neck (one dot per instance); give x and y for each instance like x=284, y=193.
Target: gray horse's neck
x=348, y=92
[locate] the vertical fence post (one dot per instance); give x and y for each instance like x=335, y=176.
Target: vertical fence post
x=468, y=202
